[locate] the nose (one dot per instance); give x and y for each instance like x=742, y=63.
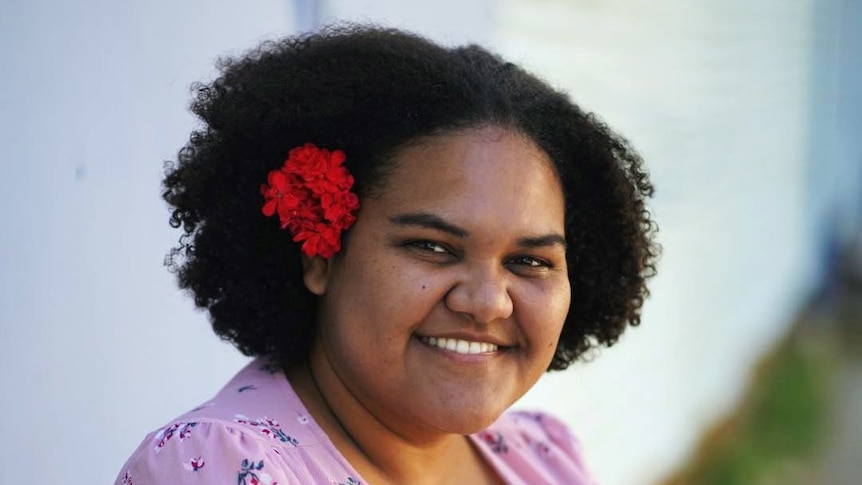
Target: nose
x=482, y=293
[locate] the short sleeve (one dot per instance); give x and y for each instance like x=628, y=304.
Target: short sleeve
x=560, y=437
x=203, y=453
x=534, y=448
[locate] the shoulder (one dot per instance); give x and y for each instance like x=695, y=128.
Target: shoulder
x=536, y=447
x=206, y=451
x=542, y=429
x=255, y=430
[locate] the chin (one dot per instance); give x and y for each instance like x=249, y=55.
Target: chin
x=464, y=423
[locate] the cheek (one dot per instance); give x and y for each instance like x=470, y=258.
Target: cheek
x=545, y=307
x=382, y=299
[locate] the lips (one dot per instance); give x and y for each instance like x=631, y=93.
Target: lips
x=460, y=346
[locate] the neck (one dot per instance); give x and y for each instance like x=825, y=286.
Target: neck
x=378, y=451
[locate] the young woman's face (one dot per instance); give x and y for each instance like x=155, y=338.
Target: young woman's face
x=448, y=300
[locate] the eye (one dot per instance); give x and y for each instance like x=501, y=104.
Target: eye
x=428, y=247
x=529, y=263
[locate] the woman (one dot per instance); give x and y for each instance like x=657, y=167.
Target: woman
x=406, y=236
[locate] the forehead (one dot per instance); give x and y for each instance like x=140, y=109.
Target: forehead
x=482, y=171
x=452, y=155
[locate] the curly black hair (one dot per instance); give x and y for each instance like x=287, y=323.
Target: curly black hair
x=370, y=91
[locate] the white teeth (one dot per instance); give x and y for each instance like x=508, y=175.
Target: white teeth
x=460, y=346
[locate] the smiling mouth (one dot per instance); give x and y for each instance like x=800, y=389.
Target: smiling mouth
x=459, y=346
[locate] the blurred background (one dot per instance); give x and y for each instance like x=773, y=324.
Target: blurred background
x=748, y=114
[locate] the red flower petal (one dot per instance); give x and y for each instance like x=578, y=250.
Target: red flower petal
x=269, y=207
x=310, y=193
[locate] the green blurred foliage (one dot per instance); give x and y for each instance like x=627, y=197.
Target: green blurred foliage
x=775, y=435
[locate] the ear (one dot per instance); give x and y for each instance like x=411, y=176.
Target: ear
x=315, y=273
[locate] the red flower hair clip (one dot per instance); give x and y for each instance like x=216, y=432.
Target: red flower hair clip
x=311, y=195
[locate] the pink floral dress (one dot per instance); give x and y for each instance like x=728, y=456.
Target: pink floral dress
x=257, y=431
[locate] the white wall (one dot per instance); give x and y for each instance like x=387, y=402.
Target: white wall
x=96, y=344
x=97, y=347
x=447, y=21
x=722, y=100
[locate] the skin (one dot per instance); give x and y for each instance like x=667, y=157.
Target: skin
x=465, y=241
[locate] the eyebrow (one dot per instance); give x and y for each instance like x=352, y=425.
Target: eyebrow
x=543, y=241
x=431, y=221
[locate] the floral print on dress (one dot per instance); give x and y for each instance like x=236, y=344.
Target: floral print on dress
x=194, y=464
x=267, y=427
x=250, y=474
x=541, y=447
x=202, y=406
x=211, y=447
x=184, y=428
x=494, y=440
